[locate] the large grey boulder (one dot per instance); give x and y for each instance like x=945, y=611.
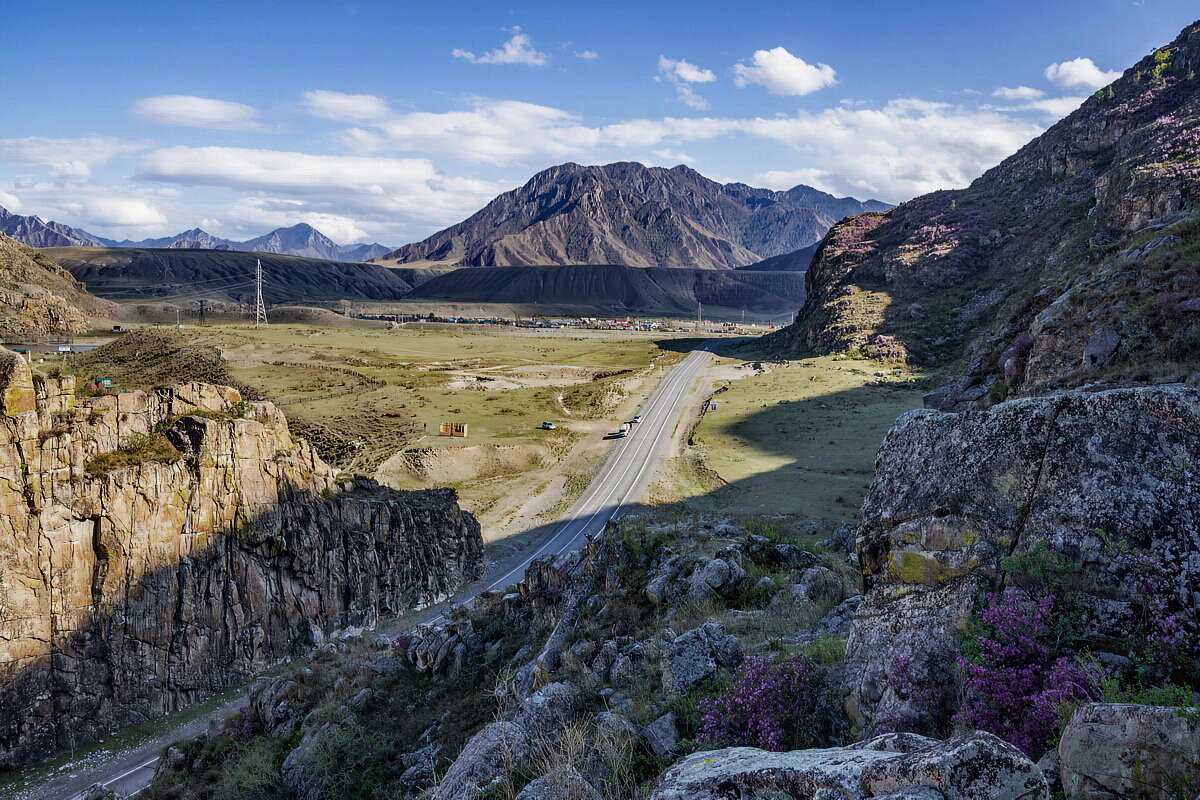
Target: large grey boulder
x=548, y=709
x=977, y=766
x=974, y=767
x=1051, y=470
x=490, y=755
x=1131, y=752
x=698, y=655
x=564, y=783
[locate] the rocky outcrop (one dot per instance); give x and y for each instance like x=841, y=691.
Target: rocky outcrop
x=158, y=546
x=1065, y=264
x=1073, y=472
x=974, y=767
x=1129, y=751
x=38, y=298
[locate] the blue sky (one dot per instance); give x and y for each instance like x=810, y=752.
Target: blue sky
x=389, y=120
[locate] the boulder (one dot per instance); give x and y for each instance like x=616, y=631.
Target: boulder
x=977, y=766
x=491, y=754
x=697, y=655
x=1127, y=751
x=564, y=783
x=547, y=709
x=820, y=585
x=1049, y=470
x=713, y=577
x=662, y=735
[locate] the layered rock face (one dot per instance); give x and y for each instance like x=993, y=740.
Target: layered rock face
x=133, y=588
x=40, y=298
x=1070, y=262
x=956, y=493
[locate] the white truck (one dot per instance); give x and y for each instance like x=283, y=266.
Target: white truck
x=624, y=430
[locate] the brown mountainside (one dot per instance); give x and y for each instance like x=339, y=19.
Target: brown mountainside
x=627, y=213
x=1072, y=262
x=38, y=297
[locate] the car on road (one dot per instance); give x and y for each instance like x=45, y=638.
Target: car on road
x=636, y=419
x=548, y=426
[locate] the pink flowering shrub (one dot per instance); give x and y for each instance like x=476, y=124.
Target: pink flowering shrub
x=1016, y=684
x=771, y=704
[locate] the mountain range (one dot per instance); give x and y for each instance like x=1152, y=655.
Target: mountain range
x=627, y=213
x=298, y=240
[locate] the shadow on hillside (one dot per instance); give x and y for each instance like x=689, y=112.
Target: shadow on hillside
x=250, y=597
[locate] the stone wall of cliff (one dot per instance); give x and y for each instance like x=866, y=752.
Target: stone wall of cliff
x=136, y=587
x=956, y=493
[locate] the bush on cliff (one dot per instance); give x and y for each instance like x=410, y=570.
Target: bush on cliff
x=138, y=448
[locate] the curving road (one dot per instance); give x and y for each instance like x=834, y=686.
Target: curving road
x=622, y=480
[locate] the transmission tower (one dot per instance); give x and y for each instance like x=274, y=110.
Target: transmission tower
x=260, y=309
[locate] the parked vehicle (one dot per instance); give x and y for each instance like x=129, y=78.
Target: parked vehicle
x=636, y=419
x=548, y=426
x=624, y=430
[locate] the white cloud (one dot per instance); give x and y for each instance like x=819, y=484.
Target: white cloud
x=67, y=159
x=683, y=70
x=346, y=186
x=1080, y=73
x=9, y=202
x=587, y=55
x=1057, y=106
x=517, y=50
x=197, y=112
x=680, y=74
x=345, y=107
x=120, y=212
x=780, y=72
x=689, y=98
x=1018, y=93
x=904, y=148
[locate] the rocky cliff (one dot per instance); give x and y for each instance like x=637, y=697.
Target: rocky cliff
x=39, y=298
x=156, y=547
x=1106, y=479
x=638, y=216
x=1071, y=262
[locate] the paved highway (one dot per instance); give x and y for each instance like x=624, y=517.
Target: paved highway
x=621, y=481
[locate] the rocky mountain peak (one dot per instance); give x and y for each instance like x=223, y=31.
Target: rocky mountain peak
x=631, y=214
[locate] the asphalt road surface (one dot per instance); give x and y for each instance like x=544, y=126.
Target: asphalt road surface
x=621, y=481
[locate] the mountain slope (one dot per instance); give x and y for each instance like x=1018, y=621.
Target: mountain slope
x=612, y=288
x=36, y=232
x=299, y=240
x=1071, y=262
x=128, y=273
x=627, y=213
x=38, y=297
x=795, y=261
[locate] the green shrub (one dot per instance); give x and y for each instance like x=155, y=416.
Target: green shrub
x=138, y=448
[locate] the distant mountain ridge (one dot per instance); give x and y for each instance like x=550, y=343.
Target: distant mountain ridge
x=298, y=240
x=628, y=213
x=36, y=232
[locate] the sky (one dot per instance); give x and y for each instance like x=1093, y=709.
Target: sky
x=387, y=121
